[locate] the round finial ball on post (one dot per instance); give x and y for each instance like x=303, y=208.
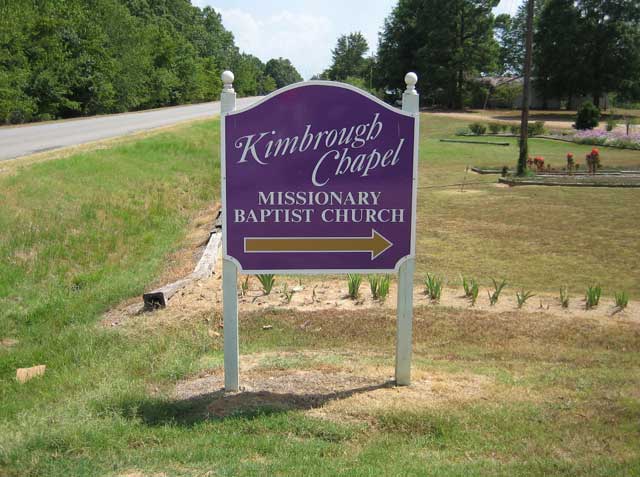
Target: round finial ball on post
x=411, y=79
x=227, y=77
x=227, y=80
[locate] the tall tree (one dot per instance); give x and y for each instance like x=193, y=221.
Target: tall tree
x=603, y=34
x=348, y=57
x=510, y=32
x=282, y=71
x=446, y=41
x=83, y=57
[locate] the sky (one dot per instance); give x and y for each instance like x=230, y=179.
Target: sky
x=305, y=31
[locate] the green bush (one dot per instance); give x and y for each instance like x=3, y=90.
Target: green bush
x=505, y=96
x=537, y=128
x=588, y=116
x=478, y=128
x=611, y=124
x=515, y=129
x=495, y=128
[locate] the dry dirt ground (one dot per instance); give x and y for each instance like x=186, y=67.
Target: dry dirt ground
x=337, y=384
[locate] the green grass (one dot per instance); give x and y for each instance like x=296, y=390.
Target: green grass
x=539, y=238
x=80, y=234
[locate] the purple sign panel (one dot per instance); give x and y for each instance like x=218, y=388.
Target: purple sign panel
x=319, y=177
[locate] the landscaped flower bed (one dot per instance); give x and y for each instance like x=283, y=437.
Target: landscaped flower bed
x=600, y=137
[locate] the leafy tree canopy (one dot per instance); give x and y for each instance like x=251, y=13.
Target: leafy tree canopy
x=69, y=58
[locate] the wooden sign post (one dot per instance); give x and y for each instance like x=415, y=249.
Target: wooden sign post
x=319, y=178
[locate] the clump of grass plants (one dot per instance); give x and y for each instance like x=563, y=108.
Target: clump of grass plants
x=383, y=287
x=473, y=295
x=267, y=281
x=522, y=296
x=374, y=283
x=433, y=286
x=622, y=300
x=497, y=290
x=379, y=286
x=353, y=282
x=592, y=296
x=467, y=285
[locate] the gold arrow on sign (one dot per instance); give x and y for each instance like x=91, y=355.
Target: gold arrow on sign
x=376, y=244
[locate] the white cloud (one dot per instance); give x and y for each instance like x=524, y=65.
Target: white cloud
x=303, y=38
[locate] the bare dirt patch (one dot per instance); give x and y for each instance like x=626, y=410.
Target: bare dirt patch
x=329, y=293
x=348, y=391
x=8, y=342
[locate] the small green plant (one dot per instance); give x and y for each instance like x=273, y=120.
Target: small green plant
x=592, y=297
x=383, y=287
x=611, y=124
x=267, y=281
x=564, y=297
x=462, y=132
x=374, y=284
x=497, y=290
x=244, y=286
x=288, y=295
x=467, y=285
x=495, y=128
x=522, y=296
x=478, y=128
x=353, y=281
x=433, y=286
x=473, y=294
x=622, y=300
x=515, y=129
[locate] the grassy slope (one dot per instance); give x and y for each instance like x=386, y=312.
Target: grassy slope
x=79, y=234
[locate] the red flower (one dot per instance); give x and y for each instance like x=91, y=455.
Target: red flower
x=570, y=155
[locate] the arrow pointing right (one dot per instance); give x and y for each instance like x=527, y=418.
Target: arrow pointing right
x=377, y=244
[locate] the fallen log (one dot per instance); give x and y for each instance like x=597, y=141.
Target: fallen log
x=204, y=269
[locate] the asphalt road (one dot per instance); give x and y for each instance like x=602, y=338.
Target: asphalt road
x=29, y=139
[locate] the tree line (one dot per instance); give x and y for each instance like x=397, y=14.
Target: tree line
x=581, y=47
x=68, y=58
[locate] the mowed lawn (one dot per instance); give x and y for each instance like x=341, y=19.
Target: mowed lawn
x=540, y=238
x=511, y=393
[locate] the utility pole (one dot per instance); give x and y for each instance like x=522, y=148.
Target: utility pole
x=526, y=93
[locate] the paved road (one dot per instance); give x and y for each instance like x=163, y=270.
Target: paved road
x=25, y=140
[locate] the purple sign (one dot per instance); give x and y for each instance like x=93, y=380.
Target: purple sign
x=319, y=177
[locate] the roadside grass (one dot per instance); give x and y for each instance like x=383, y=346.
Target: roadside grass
x=556, y=396
x=80, y=234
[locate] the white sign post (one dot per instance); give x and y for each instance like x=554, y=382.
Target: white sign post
x=229, y=269
x=410, y=104
x=377, y=168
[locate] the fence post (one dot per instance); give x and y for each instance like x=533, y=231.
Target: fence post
x=411, y=104
x=229, y=269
